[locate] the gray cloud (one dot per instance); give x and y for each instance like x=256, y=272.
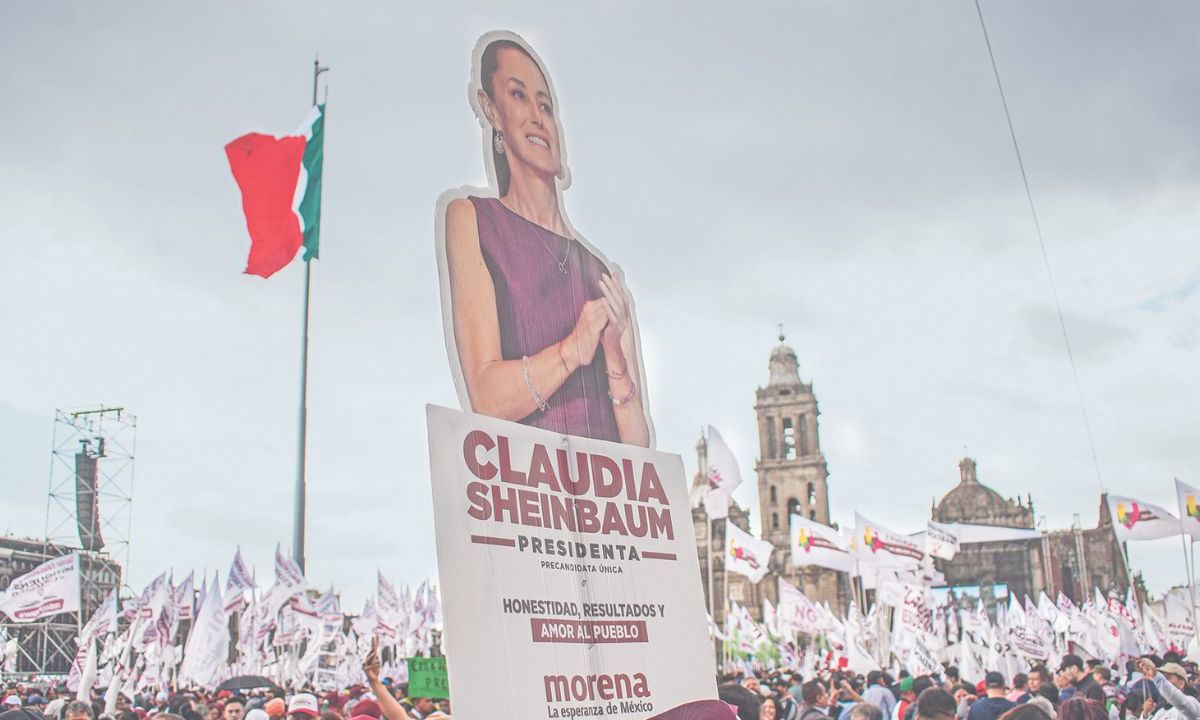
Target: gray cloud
x=842, y=168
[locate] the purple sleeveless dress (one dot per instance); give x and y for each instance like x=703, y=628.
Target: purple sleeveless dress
x=537, y=305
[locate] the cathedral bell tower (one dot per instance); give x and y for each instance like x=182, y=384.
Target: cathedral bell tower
x=792, y=474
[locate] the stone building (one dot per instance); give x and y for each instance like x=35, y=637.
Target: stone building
x=792, y=477
x=1072, y=561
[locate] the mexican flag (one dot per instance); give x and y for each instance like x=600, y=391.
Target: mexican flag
x=280, y=181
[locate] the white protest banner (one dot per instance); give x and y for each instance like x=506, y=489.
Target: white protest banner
x=1189, y=508
x=746, y=554
x=239, y=580
x=723, y=476
x=796, y=611
x=1139, y=520
x=940, y=541
x=48, y=589
x=820, y=545
x=208, y=643
x=880, y=547
x=570, y=580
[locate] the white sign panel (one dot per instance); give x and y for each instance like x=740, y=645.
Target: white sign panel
x=570, y=576
x=48, y=589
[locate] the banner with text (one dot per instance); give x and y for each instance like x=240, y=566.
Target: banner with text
x=570, y=576
x=48, y=589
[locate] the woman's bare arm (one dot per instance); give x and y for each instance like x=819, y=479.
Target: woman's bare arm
x=495, y=386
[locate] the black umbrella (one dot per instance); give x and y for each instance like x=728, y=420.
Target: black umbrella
x=249, y=682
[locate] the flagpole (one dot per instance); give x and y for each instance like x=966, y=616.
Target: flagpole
x=301, y=485
x=1187, y=571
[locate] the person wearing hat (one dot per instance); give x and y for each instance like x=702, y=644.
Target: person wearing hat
x=303, y=706
x=1170, y=680
x=275, y=708
x=994, y=704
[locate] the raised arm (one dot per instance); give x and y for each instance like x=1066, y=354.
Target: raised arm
x=507, y=389
x=391, y=707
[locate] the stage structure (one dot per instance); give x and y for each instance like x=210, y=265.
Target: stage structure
x=89, y=511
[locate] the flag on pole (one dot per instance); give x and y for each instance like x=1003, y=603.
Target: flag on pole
x=940, y=541
x=820, y=545
x=1189, y=508
x=1138, y=520
x=876, y=545
x=722, y=475
x=280, y=182
x=746, y=554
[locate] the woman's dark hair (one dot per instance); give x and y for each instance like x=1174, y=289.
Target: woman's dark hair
x=489, y=62
x=1077, y=708
x=1026, y=711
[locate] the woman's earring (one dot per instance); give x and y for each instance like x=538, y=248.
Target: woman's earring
x=498, y=142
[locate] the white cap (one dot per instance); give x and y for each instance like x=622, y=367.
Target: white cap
x=258, y=714
x=305, y=703
x=12, y=700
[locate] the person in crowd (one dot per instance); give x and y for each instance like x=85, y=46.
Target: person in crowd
x=1084, y=686
x=1020, y=689
x=303, y=706
x=1026, y=711
x=815, y=701
x=789, y=708
x=919, y=686
x=864, y=711
x=769, y=709
x=878, y=694
x=235, y=708
x=907, y=697
x=847, y=696
x=994, y=704
x=276, y=708
x=936, y=704
x=1171, y=680
x=963, y=695
x=1081, y=708
x=1137, y=706
x=14, y=710
x=78, y=710
x=1039, y=684
x=1046, y=706
x=746, y=703
x=751, y=683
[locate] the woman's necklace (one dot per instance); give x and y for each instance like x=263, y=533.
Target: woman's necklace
x=562, y=264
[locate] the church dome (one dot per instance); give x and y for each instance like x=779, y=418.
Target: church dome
x=973, y=502
x=784, y=366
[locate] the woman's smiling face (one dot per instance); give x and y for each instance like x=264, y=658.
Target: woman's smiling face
x=521, y=109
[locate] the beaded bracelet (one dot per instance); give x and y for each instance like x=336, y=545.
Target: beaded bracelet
x=621, y=401
x=537, y=398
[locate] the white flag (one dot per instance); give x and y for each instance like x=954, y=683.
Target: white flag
x=940, y=541
x=208, y=643
x=48, y=589
x=746, y=554
x=796, y=612
x=289, y=582
x=876, y=545
x=104, y=620
x=1189, y=508
x=722, y=475
x=239, y=580
x=1137, y=520
x=820, y=545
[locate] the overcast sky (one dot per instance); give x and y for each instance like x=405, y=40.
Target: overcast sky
x=843, y=168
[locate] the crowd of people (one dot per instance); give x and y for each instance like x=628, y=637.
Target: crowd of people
x=377, y=699
x=1147, y=688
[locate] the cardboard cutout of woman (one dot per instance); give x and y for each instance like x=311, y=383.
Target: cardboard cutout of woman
x=539, y=325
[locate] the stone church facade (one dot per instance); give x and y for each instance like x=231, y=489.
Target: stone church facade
x=793, y=478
